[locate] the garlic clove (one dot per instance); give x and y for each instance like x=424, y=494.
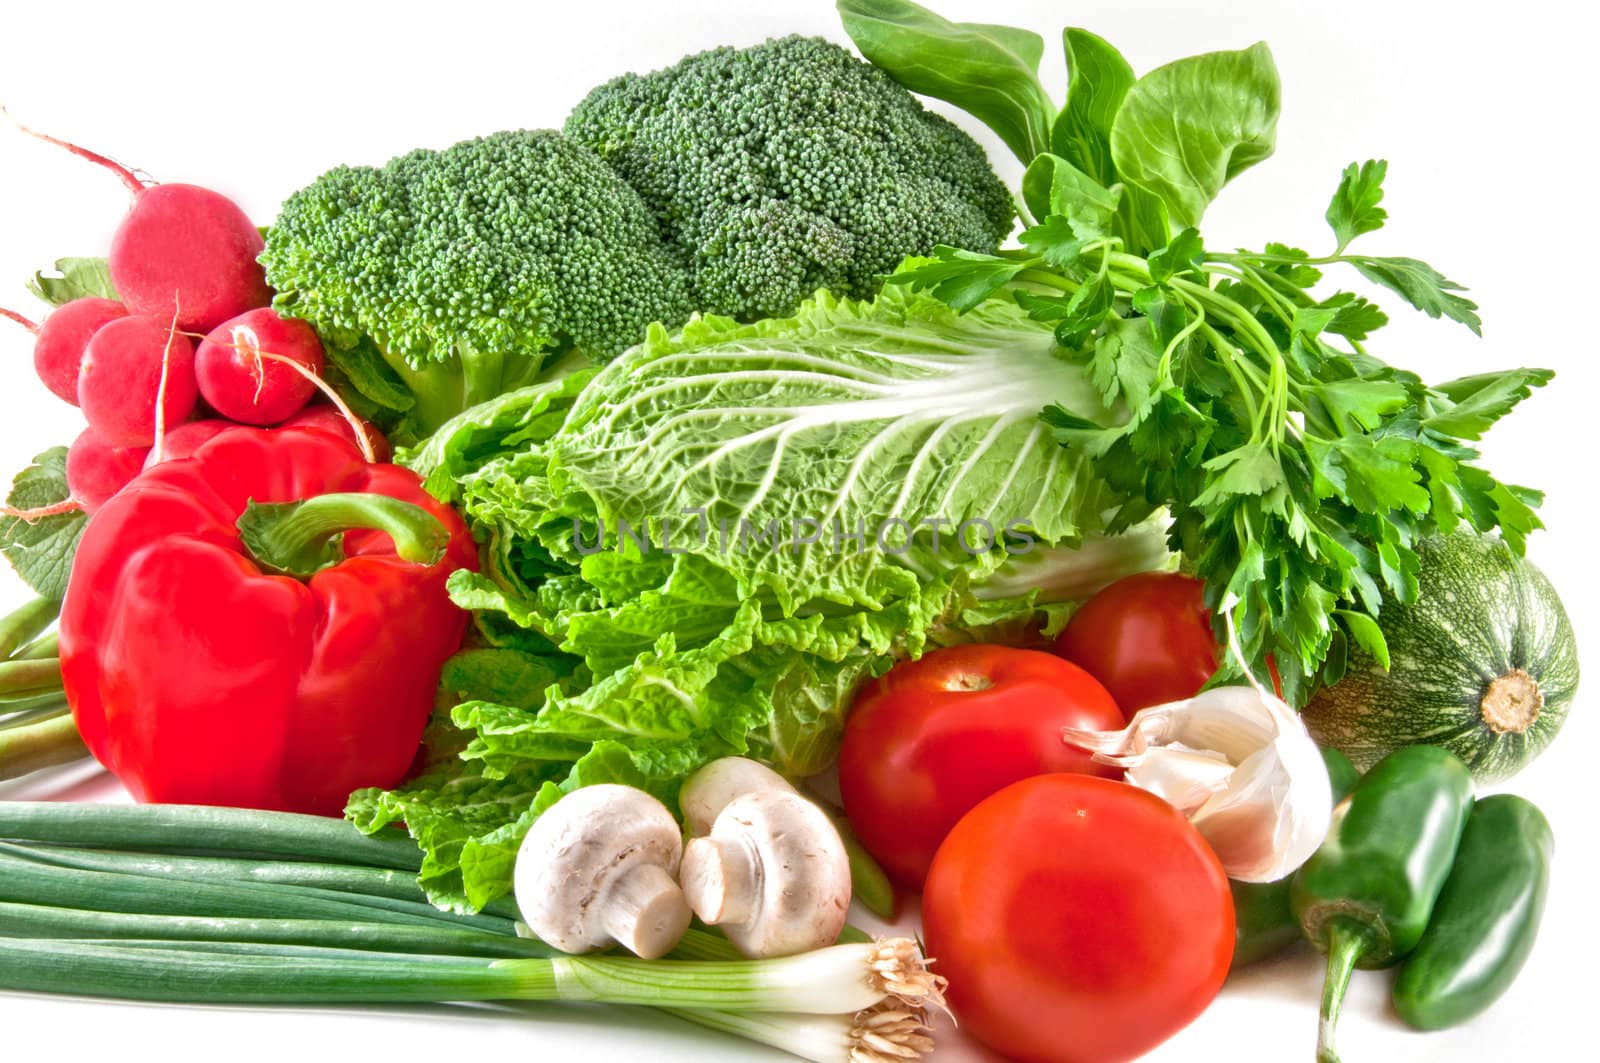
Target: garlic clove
x=1185, y=779
x=1240, y=764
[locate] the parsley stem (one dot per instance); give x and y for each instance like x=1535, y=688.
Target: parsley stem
x=1252, y=278
x=1240, y=319
x=1230, y=361
x=1034, y=275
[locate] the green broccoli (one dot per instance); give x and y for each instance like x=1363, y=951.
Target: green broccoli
x=446, y=277
x=791, y=166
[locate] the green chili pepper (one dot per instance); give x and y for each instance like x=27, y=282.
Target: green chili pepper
x=1365, y=897
x=1487, y=916
x=1264, y=925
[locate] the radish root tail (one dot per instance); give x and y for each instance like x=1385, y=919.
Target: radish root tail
x=157, y=448
x=31, y=326
x=127, y=176
x=33, y=516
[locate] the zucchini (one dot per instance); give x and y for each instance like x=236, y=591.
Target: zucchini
x=1484, y=664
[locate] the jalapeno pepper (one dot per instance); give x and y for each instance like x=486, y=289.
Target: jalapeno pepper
x=1365, y=897
x=1487, y=916
x=1264, y=924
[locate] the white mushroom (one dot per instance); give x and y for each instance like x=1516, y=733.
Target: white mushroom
x=773, y=874
x=597, y=868
x=708, y=791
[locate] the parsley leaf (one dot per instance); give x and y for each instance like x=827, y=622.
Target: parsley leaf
x=1476, y=402
x=1355, y=209
x=1422, y=286
x=960, y=278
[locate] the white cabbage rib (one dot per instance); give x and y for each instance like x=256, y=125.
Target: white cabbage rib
x=840, y=422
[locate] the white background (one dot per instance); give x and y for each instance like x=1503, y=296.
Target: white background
x=1484, y=111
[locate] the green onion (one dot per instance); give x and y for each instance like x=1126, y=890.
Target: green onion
x=301, y=909
x=49, y=646
x=884, y=1034
x=26, y=880
x=199, y=828
x=22, y=710
x=239, y=880
x=47, y=921
x=37, y=738
x=26, y=623
x=29, y=679
x=843, y=978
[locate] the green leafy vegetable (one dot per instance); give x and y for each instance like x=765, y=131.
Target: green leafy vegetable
x=1098, y=79
x=1422, y=286
x=787, y=508
x=76, y=278
x=1300, y=471
x=1188, y=128
x=992, y=72
x=1052, y=185
x=1355, y=209
x=41, y=548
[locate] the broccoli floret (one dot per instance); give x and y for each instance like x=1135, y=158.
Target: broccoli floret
x=461, y=268
x=791, y=166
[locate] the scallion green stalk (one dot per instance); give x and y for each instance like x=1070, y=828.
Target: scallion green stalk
x=387, y=889
x=39, y=738
x=26, y=880
x=48, y=646
x=841, y=979
x=49, y=921
x=22, y=679
x=203, y=829
x=25, y=623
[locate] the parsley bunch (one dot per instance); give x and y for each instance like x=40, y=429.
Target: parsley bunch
x=1299, y=470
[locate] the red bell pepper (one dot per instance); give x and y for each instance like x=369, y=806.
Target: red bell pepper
x=262, y=624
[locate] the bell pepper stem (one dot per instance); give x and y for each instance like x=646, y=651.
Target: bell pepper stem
x=302, y=538
x=1344, y=948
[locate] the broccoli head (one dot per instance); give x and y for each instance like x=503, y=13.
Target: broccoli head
x=444, y=277
x=791, y=166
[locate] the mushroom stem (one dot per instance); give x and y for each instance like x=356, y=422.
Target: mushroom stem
x=645, y=912
x=721, y=879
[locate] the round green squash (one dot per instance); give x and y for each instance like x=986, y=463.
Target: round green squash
x=1484, y=664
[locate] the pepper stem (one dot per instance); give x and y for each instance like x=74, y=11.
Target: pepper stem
x=302, y=538
x=1344, y=948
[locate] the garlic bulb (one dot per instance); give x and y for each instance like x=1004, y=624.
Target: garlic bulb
x=1240, y=764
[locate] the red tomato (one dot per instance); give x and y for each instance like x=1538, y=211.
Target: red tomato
x=1146, y=637
x=1079, y=920
x=935, y=736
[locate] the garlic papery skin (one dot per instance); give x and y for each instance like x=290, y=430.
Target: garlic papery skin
x=1239, y=763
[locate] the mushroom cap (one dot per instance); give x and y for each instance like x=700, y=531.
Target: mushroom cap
x=773, y=873
x=707, y=792
x=597, y=868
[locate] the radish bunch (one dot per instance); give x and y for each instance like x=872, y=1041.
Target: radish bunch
x=192, y=330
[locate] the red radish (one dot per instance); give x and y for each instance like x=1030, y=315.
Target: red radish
x=58, y=350
x=184, y=440
x=329, y=419
x=128, y=364
x=183, y=248
x=240, y=384
x=97, y=468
